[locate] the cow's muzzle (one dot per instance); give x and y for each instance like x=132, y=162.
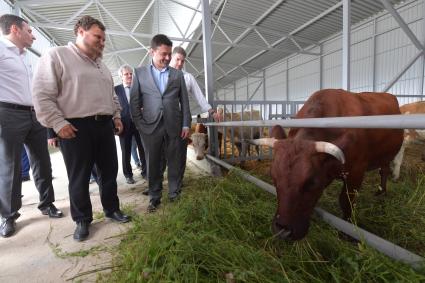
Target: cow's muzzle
x=280, y=231
x=290, y=232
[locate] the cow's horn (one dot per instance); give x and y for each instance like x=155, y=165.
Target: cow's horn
x=262, y=141
x=330, y=148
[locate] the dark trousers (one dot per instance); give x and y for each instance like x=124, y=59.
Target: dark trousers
x=94, y=143
x=125, y=143
x=18, y=127
x=156, y=145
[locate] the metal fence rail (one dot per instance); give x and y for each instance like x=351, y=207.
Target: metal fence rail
x=238, y=115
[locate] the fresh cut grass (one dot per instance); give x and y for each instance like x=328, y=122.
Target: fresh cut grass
x=219, y=231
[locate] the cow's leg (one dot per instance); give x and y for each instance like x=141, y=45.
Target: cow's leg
x=257, y=149
x=398, y=159
x=423, y=156
x=384, y=171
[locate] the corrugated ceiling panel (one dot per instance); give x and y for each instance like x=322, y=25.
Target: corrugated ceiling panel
x=288, y=16
x=253, y=39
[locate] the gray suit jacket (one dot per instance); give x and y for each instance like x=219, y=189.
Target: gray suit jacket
x=148, y=106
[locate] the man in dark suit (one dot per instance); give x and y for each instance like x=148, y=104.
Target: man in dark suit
x=123, y=92
x=160, y=109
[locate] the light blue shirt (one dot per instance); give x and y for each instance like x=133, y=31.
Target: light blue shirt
x=160, y=77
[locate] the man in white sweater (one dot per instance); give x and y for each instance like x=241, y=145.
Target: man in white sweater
x=73, y=93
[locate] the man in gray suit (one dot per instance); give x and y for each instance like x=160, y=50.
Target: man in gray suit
x=160, y=110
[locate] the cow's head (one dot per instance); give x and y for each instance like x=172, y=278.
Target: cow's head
x=301, y=171
x=199, y=143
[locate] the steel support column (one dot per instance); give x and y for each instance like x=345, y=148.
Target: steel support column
x=346, y=43
x=206, y=38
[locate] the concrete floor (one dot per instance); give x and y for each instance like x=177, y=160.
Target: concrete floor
x=43, y=250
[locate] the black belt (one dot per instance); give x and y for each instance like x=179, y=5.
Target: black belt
x=15, y=106
x=99, y=118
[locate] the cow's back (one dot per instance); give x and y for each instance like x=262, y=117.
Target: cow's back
x=370, y=147
x=413, y=108
x=241, y=133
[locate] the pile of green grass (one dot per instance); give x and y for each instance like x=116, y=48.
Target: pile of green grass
x=220, y=232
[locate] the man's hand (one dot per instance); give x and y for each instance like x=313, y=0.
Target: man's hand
x=118, y=126
x=185, y=133
x=67, y=132
x=53, y=142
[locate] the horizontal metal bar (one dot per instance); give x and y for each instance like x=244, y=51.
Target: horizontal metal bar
x=265, y=186
x=414, y=121
x=389, y=249
x=253, y=102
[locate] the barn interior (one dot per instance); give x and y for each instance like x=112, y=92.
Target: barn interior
x=257, y=61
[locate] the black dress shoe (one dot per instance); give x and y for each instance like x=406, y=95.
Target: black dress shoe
x=145, y=192
x=130, y=180
x=52, y=211
x=7, y=227
x=118, y=216
x=82, y=231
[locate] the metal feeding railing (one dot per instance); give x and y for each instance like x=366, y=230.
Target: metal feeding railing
x=232, y=148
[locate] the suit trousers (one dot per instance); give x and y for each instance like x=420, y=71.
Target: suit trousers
x=18, y=127
x=156, y=145
x=94, y=144
x=125, y=143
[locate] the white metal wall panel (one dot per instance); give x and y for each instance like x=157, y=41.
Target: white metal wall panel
x=255, y=87
x=304, y=80
x=362, y=66
x=332, y=70
x=332, y=45
x=363, y=32
x=378, y=41
x=276, y=82
x=241, y=89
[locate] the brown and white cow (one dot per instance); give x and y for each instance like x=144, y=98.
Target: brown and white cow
x=409, y=135
x=307, y=161
x=199, y=140
x=238, y=135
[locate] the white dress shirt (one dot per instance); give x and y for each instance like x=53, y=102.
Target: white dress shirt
x=195, y=92
x=127, y=93
x=15, y=74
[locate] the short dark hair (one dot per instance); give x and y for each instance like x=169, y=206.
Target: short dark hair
x=86, y=22
x=179, y=50
x=8, y=20
x=160, y=39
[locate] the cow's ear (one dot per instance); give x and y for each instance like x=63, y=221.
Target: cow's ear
x=189, y=141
